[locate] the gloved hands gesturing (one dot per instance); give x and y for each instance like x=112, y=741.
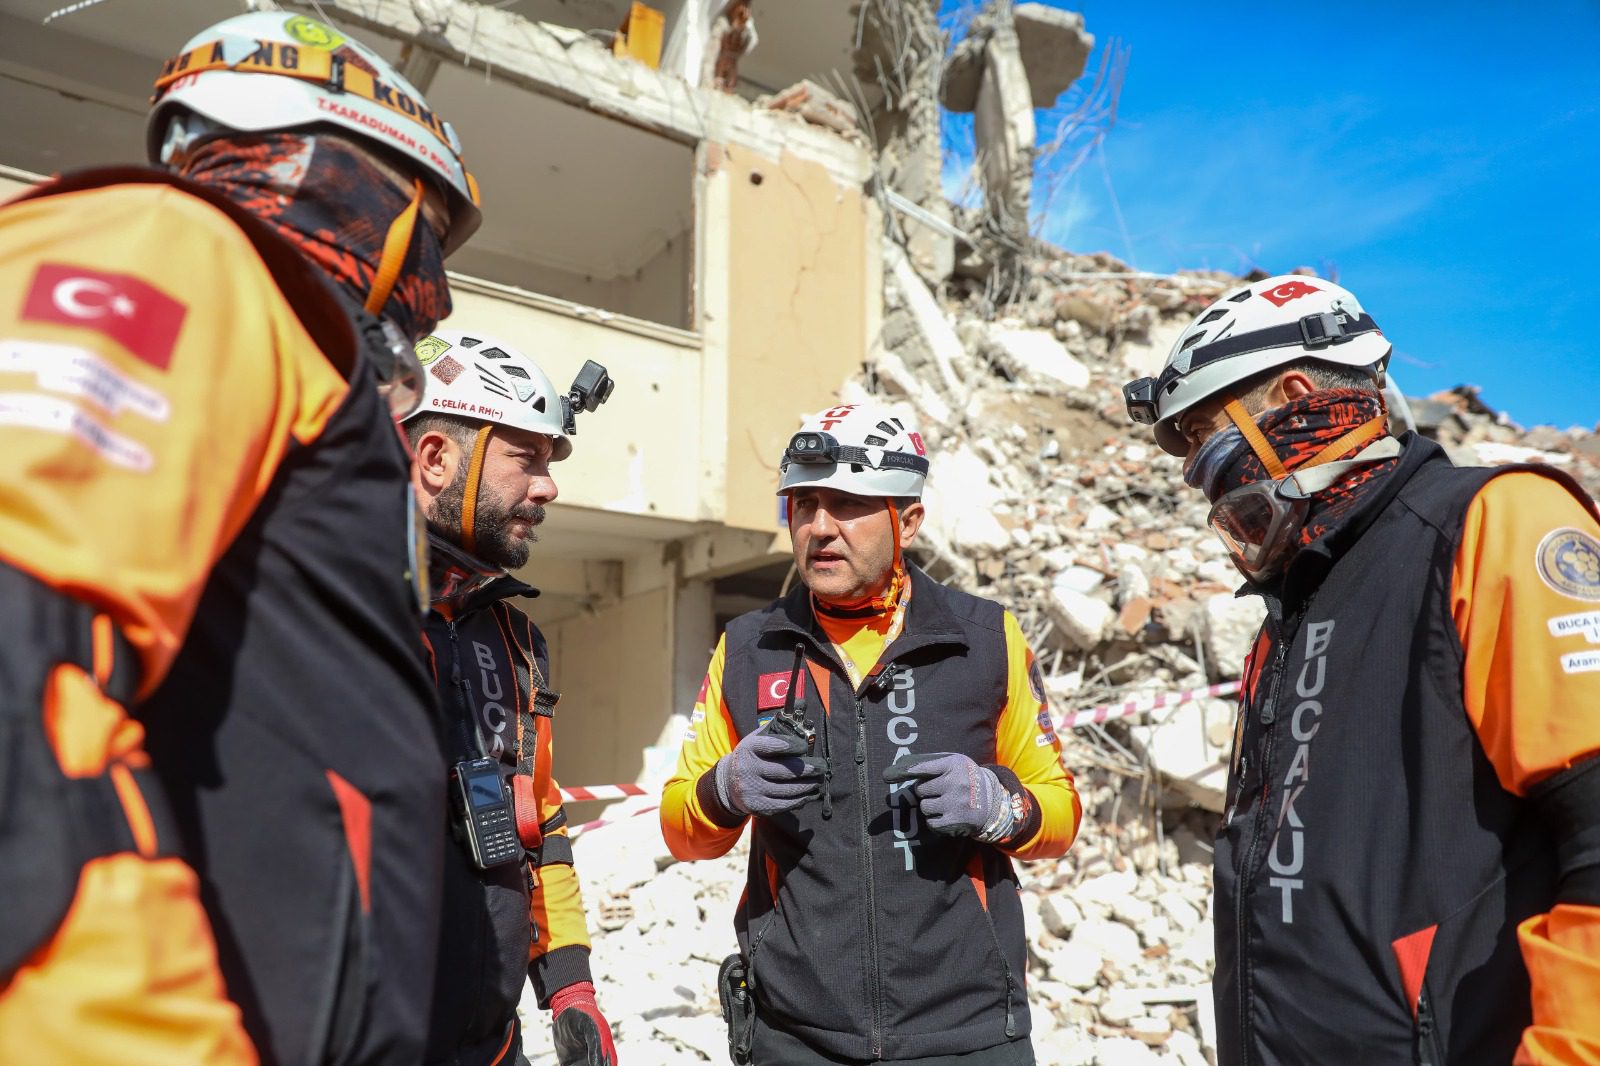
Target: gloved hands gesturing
x=767, y=774
x=957, y=796
x=583, y=1037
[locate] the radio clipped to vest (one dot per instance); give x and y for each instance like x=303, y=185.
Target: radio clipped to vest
x=483, y=813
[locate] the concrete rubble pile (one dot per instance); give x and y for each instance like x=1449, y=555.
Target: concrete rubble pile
x=1044, y=497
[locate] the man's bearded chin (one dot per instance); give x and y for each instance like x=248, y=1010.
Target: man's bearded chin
x=497, y=543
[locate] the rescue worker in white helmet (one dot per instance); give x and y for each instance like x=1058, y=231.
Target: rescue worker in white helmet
x=489, y=429
x=216, y=721
x=889, y=741
x=1424, y=651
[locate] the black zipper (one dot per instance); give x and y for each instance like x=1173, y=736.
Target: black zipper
x=469, y=707
x=874, y=978
x=1268, y=714
x=1427, y=1047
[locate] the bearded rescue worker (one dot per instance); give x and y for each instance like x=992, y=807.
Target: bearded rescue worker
x=881, y=920
x=210, y=658
x=1414, y=792
x=483, y=479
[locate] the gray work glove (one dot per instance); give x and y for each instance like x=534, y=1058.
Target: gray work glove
x=957, y=796
x=767, y=775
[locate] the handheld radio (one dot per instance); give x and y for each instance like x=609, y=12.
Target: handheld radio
x=483, y=812
x=792, y=718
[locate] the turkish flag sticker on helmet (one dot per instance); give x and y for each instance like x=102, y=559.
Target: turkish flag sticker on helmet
x=1289, y=290
x=134, y=313
x=772, y=690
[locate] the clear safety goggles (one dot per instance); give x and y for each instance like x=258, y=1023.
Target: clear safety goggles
x=1260, y=523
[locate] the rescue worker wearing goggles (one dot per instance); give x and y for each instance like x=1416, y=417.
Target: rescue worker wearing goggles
x=483, y=479
x=888, y=740
x=1432, y=892
x=215, y=719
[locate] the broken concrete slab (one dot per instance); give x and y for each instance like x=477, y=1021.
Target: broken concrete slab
x=1035, y=353
x=1083, y=619
x=1054, y=47
x=962, y=74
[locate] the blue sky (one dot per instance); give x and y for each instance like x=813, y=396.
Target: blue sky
x=1444, y=159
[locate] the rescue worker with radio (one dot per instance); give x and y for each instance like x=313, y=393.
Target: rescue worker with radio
x=888, y=740
x=1431, y=893
x=214, y=719
x=489, y=428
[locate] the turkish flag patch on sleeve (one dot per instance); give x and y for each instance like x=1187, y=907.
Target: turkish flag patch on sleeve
x=772, y=690
x=132, y=312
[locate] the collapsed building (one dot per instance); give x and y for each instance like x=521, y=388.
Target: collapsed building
x=738, y=207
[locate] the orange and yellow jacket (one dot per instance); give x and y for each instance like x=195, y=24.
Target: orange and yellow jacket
x=491, y=663
x=866, y=933
x=1415, y=790
x=192, y=437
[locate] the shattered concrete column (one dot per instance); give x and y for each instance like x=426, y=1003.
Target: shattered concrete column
x=1012, y=60
x=899, y=51
x=1003, y=127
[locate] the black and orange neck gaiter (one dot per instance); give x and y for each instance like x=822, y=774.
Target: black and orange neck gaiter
x=329, y=200
x=1298, y=432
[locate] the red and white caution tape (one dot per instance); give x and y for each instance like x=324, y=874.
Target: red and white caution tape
x=602, y=792
x=576, y=830
x=1097, y=715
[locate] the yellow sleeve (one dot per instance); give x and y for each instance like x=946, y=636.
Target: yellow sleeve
x=690, y=832
x=1027, y=745
x=1526, y=602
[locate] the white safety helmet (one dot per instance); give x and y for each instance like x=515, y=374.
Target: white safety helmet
x=320, y=76
x=857, y=449
x=475, y=376
x=1263, y=325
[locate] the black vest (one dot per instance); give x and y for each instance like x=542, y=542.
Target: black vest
x=879, y=945
x=1371, y=871
x=483, y=663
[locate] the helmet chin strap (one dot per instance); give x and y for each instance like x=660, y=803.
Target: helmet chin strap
x=1257, y=439
x=395, y=246
x=469, y=502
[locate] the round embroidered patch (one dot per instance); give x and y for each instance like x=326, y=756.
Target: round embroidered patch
x=1036, y=683
x=1569, y=562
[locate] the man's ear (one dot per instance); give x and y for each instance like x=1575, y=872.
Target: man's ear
x=1291, y=385
x=911, y=516
x=434, y=465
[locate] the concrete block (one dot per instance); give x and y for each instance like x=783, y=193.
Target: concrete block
x=1084, y=619
x=1054, y=49
x=1228, y=630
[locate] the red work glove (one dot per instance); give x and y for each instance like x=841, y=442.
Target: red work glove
x=583, y=1038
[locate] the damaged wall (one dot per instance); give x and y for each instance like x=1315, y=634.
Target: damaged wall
x=799, y=254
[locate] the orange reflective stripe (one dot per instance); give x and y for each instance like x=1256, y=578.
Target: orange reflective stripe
x=103, y=639
x=270, y=57
x=134, y=807
x=1257, y=439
